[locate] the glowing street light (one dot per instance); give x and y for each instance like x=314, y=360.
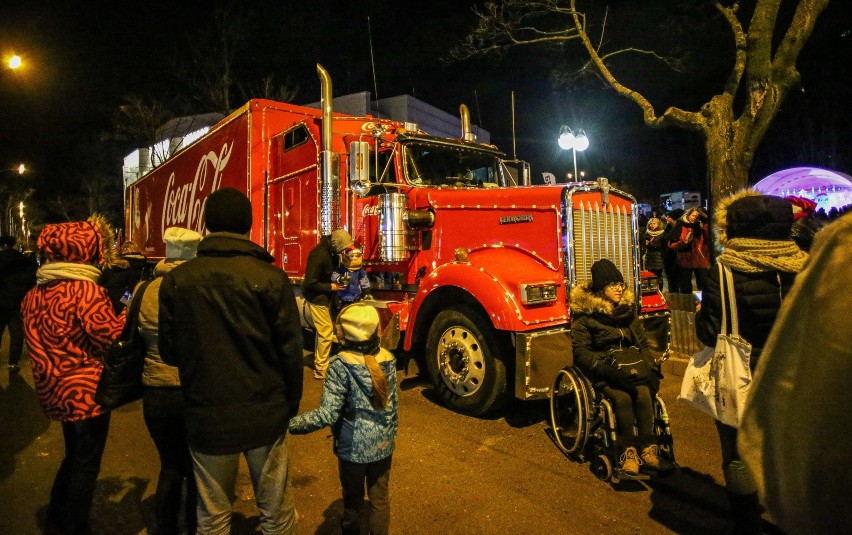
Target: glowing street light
x=15, y=62
x=22, y=169
x=576, y=142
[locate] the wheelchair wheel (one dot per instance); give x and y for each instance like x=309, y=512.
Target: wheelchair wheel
x=569, y=410
x=602, y=467
x=663, y=431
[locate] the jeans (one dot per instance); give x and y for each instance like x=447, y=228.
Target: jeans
x=352, y=479
x=628, y=410
x=74, y=486
x=162, y=409
x=216, y=477
x=324, y=327
x=13, y=321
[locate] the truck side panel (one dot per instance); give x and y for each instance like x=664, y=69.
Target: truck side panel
x=174, y=193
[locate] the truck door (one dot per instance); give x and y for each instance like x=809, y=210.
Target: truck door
x=292, y=198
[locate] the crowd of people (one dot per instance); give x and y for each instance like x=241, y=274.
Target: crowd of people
x=222, y=368
x=223, y=365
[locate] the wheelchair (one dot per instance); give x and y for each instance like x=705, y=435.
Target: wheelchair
x=584, y=428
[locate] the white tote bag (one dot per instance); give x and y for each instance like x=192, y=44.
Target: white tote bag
x=717, y=379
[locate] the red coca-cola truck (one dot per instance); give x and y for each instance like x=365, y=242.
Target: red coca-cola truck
x=470, y=270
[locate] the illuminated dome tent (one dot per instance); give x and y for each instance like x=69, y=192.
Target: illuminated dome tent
x=829, y=189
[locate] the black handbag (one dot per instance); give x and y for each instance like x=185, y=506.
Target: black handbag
x=631, y=361
x=121, y=379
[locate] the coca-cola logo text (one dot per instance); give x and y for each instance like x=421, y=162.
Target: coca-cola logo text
x=183, y=205
x=370, y=209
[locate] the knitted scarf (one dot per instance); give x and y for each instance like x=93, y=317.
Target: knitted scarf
x=751, y=255
x=654, y=233
x=53, y=271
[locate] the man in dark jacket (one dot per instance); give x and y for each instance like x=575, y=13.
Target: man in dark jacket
x=229, y=322
x=321, y=293
x=669, y=255
x=17, y=276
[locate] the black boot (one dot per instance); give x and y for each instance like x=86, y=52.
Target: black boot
x=745, y=511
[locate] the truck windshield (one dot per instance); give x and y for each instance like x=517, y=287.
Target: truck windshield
x=438, y=165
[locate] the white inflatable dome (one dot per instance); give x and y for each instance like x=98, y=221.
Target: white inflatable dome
x=829, y=189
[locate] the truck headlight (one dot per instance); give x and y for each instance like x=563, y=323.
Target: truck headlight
x=536, y=293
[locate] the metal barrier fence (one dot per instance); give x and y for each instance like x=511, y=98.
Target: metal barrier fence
x=682, y=308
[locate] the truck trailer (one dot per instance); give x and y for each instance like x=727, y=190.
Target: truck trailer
x=470, y=266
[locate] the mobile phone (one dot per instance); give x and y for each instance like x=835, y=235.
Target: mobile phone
x=125, y=298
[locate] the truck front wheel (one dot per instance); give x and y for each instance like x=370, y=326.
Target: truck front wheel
x=464, y=359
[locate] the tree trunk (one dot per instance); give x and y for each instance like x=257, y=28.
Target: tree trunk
x=729, y=148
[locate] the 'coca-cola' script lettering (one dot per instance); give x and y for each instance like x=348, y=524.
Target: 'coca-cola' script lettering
x=370, y=209
x=183, y=204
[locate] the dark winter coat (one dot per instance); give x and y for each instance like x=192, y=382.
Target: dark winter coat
x=691, y=242
x=596, y=330
x=654, y=245
x=317, y=283
x=228, y=321
x=758, y=300
x=118, y=280
x=17, y=276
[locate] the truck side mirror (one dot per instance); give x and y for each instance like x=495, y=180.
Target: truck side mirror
x=359, y=167
x=525, y=173
x=517, y=171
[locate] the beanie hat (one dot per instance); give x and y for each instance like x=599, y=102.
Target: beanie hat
x=78, y=242
x=181, y=243
x=604, y=273
x=358, y=322
x=675, y=214
x=340, y=240
x=227, y=210
x=750, y=214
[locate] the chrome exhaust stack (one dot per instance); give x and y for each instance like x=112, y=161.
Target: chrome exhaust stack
x=467, y=135
x=329, y=163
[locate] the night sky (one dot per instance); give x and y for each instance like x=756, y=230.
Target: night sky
x=83, y=57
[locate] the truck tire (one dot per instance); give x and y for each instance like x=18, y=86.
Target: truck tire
x=465, y=361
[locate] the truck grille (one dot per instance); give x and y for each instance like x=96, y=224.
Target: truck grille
x=597, y=232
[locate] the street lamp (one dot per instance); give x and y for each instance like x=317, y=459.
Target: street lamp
x=15, y=62
x=20, y=169
x=576, y=142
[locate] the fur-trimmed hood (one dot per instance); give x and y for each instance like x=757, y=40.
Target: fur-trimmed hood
x=109, y=255
x=584, y=301
x=720, y=231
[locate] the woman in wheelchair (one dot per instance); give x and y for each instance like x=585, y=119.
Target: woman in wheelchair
x=611, y=348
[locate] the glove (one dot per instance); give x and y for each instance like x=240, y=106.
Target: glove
x=616, y=378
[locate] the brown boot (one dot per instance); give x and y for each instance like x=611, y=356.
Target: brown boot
x=652, y=460
x=630, y=461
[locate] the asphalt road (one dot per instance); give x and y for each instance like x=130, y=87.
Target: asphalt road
x=451, y=474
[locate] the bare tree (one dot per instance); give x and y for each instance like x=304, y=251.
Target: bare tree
x=139, y=120
x=268, y=88
x=732, y=123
